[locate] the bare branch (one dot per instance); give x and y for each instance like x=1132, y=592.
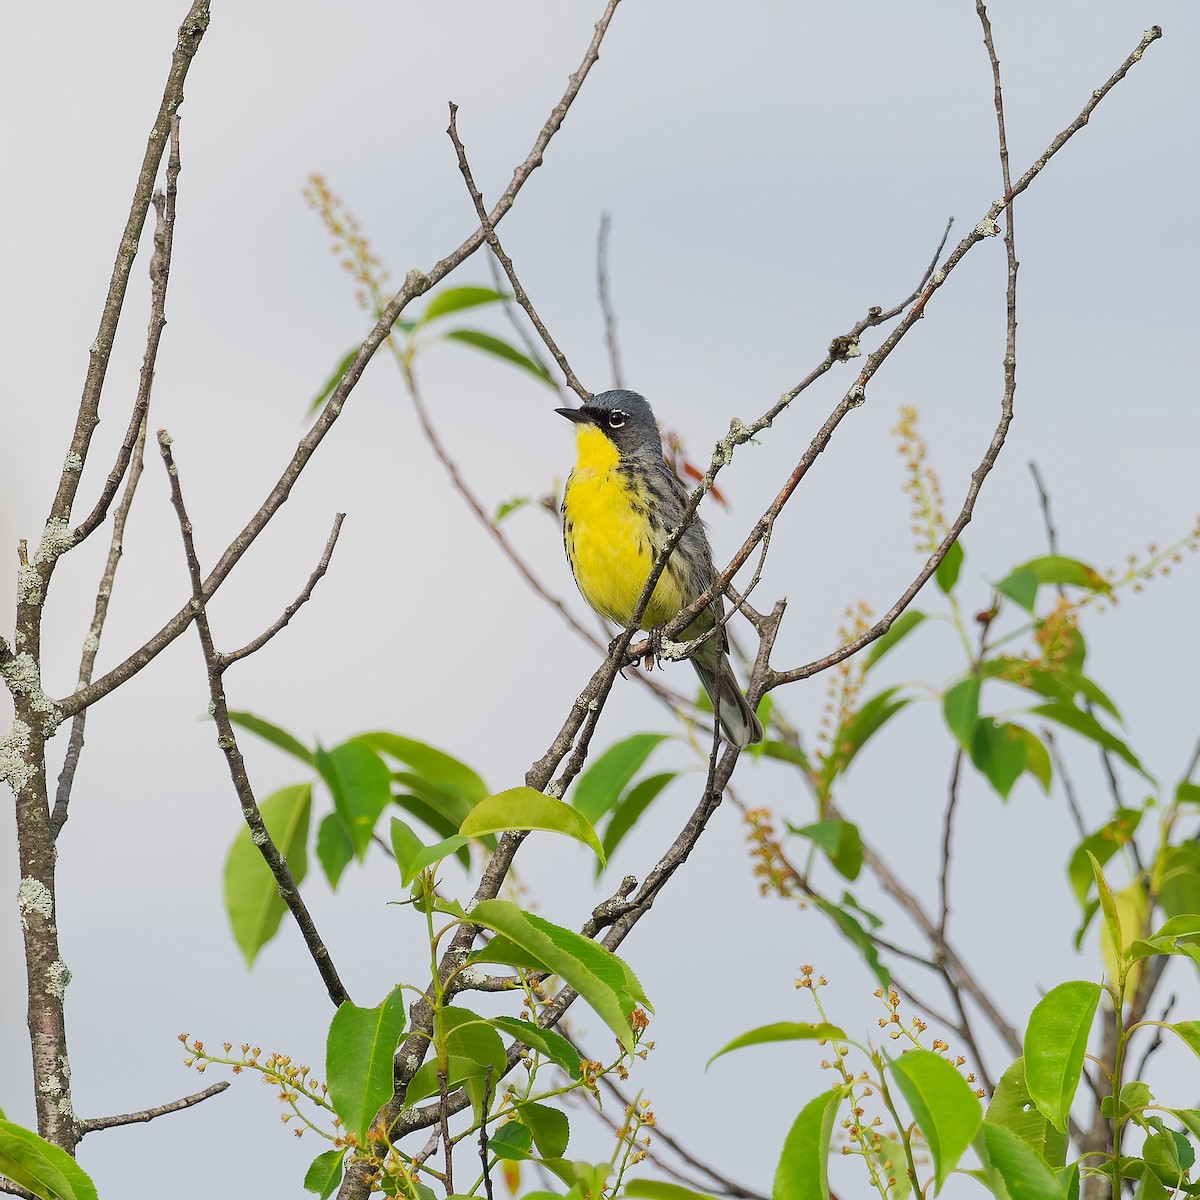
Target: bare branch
x=148, y=1114
x=416, y=283
x=251, y=647
x=519, y=292
x=947, y=836
x=130, y=460
x=227, y=740
x=610, y=319
x=857, y=394
x=190, y=34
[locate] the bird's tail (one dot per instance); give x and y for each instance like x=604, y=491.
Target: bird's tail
x=739, y=722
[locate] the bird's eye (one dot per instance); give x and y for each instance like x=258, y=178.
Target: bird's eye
x=616, y=419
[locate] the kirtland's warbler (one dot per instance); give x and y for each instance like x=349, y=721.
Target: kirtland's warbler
x=620, y=505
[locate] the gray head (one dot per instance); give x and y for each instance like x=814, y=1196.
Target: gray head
x=624, y=418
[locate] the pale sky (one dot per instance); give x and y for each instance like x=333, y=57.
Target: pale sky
x=772, y=170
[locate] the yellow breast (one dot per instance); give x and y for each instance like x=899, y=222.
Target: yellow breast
x=608, y=537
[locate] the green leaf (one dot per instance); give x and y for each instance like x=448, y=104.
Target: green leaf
x=455, y=299
x=1189, y=1033
x=527, y=808
x=902, y=626
x=545, y=1041
x=998, y=751
x=780, y=1031
x=628, y=810
x=961, y=709
x=439, y=810
x=948, y=569
x=507, y=507
x=442, y=770
x=498, y=348
x=1101, y=845
x=1021, y=587
x=1025, y=1175
x=803, y=1171
x=324, y=1175
x=841, y=842
x=1151, y=1188
x=361, y=786
x=358, y=1059
x=1108, y=906
x=602, y=980
x=1012, y=1107
x=273, y=734
x=657, y=1189
x=891, y=1151
x=41, y=1167
x=1055, y=1044
x=1057, y=681
x=1037, y=757
x=853, y=929
x=551, y=1129
x=1187, y=792
x=334, y=847
x=784, y=753
x=459, y=1072
x=853, y=735
x=1179, y=879
x=405, y=846
x=945, y=1107
x=468, y=1035
x=1057, y=569
x=252, y=897
x=511, y=1142
x=426, y=856
x=1086, y=725
x=334, y=379
x=600, y=787
x=1135, y=1096
x=1161, y=1153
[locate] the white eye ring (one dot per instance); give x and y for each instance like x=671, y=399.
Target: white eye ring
x=616, y=419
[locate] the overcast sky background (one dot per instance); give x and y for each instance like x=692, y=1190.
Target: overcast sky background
x=772, y=170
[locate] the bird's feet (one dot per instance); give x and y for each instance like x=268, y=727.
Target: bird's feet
x=655, y=638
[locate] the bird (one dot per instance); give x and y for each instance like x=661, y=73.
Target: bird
x=620, y=504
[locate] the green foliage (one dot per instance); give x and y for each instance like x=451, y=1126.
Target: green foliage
x=252, y=897
x=781, y=1031
x=1055, y=1045
x=803, y=1171
x=943, y=1104
x=525, y=808
x=358, y=1059
x=603, y=980
x=40, y=1167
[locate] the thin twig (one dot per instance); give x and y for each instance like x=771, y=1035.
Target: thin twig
x=1068, y=785
x=483, y=1133
x=512, y=315
x=947, y=836
x=93, y=1124
x=289, y=892
x=493, y=241
x=606, y=308
x=1044, y=504
x=1157, y=1040
x=130, y=462
x=725, y=1185
x=256, y=644
x=447, y=1141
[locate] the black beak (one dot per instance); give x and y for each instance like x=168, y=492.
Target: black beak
x=579, y=415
